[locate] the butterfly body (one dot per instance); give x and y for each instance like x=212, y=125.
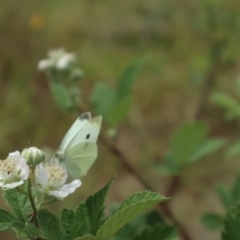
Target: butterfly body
x=78, y=149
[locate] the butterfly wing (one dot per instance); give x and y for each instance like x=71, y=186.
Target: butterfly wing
x=78, y=159
x=79, y=124
x=88, y=133
x=79, y=147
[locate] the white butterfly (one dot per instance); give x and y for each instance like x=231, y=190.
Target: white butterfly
x=78, y=149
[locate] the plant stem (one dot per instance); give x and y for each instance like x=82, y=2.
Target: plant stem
x=34, y=215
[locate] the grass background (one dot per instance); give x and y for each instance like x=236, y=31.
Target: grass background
x=186, y=43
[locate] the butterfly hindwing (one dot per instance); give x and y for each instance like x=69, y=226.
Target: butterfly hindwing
x=80, y=158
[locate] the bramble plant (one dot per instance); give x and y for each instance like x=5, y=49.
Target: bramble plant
x=33, y=179
x=29, y=184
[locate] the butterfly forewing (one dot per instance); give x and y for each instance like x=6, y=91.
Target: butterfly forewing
x=78, y=159
x=88, y=133
x=79, y=124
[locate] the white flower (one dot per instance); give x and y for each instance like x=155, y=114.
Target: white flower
x=13, y=171
x=65, y=60
x=51, y=178
x=58, y=58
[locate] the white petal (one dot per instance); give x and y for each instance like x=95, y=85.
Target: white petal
x=24, y=169
x=41, y=175
x=58, y=194
x=12, y=185
x=71, y=187
x=64, y=61
x=14, y=156
x=45, y=64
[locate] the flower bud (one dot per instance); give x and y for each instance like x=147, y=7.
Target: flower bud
x=76, y=74
x=33, y=155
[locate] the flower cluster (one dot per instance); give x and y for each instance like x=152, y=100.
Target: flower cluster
x=59, y=59
x=48, y=177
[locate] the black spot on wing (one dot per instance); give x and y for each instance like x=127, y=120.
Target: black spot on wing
x=84, y=116
x=88, y=136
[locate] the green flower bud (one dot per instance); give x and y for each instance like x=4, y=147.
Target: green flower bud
x=33, y=155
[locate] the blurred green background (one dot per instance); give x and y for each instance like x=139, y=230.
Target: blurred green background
x=192, y=49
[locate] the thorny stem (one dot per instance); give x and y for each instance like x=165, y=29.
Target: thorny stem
x=34, y=215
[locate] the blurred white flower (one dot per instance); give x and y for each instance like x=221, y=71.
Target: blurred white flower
x=51, y=178
x=13, y=171
x=58, y=58
x=65, y=60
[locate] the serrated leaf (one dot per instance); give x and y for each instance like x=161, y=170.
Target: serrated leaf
x=232, y=223
x=49, y=225
x=19, y=203
x=130, y=208
x=86, y=237
x=186, y=141
x=67, y=216
x=225, y=196
x=24, y=230
x=118, y=111
x=212, y=221
x=233, y=150
x=89, y=214
x=102, y=98
x=158, y=232
x=61, y=95
x=127, y=79
x=208, y=146
x=6, y=219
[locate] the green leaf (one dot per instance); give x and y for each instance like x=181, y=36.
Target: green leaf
x=232, y=223
x=234, y=150
x=236, y=190
x=127, y=79
x=130, y=208
x=19, y=203
x=131, y=228
x=225, y=196
x=212, y=221
x=118, y=112
x=154, y=217
x=24, y=230
x=86, y=237
x=158, y=232
x=61, y=95
x=165, y=170
x=208, y=146
x=186, y=141
x=49, y=225
x=89, y=215
x=102, y=98
x=225, y=101
x=6, y=219
x=67, y=216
